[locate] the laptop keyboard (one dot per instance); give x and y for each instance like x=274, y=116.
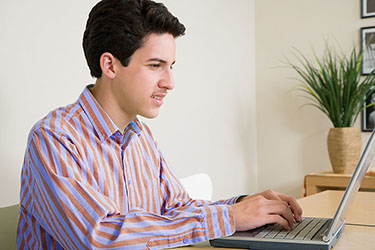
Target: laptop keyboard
x=304, y=230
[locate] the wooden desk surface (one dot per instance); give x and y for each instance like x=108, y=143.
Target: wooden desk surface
x=324, y=204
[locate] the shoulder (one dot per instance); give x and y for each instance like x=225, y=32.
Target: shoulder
x=145, y=129
x=147, y=136
x=55, y=123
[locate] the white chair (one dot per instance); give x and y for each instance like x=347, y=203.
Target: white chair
x=198, y=186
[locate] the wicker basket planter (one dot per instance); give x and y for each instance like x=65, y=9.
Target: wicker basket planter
x=344, y=148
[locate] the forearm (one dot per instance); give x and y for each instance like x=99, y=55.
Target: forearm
x=105, y=227
x=185, y=225
x=140, y=229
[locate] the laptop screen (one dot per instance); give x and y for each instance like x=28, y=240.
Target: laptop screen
x=353, y=187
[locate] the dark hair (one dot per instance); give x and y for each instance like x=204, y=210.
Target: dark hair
x=120, y=26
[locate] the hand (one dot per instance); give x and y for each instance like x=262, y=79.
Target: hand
x=266, y=208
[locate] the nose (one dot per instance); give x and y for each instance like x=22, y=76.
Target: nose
x=167, y=81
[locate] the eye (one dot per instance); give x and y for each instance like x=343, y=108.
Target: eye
x=171, y=67
x=154, y=66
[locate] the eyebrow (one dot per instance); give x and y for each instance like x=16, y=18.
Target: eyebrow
x=159, y=60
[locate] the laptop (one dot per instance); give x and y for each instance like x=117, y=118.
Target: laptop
x=311, y=233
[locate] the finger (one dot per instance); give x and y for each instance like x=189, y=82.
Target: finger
x=293, y=203
x=271, y=195
x=281, y=208
x=274, y=218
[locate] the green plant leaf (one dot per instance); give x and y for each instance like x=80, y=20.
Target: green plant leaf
x=334, y=85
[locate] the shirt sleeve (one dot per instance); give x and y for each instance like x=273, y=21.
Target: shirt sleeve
x=216, y=217
x=79, y=216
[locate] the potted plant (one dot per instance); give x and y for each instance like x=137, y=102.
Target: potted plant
x=335, y=87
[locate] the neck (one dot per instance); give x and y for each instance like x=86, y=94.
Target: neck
x=103, y=93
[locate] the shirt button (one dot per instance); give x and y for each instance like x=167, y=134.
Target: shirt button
x=129, y=182
x=186, y=241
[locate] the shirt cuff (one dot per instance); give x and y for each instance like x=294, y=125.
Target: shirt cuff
x=219, y=221
x=216, y=221
x=240, y=197
x=230, y=201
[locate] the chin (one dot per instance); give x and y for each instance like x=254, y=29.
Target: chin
x=150, y=115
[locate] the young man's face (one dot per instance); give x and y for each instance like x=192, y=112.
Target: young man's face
x=140, y=88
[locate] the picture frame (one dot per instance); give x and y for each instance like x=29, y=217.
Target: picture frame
x=368, y=48
x=368, y=114
x=367, y=8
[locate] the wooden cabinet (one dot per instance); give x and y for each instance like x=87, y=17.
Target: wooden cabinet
x=318, y=182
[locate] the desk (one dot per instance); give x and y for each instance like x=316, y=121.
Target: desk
x=327, y=180
x=324, y=204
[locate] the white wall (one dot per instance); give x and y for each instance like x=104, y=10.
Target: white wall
x=291, y=139
x=42, y=67
x=220, y=119
x=208, y=122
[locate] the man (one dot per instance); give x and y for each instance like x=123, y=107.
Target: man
x=93, y=176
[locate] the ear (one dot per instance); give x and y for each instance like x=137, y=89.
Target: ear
x=107, y=62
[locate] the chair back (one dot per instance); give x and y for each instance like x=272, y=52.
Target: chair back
x=8, y=227
x=198, y=186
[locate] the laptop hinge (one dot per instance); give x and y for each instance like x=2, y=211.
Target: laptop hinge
x=337, y=234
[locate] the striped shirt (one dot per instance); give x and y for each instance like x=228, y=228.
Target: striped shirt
x=87, y=185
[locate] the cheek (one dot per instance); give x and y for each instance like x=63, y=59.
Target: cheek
x=147, y=81
x=142, y=83
x=140, y=89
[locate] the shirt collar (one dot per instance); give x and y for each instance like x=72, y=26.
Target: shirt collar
x=100, y=120
x=135, y=126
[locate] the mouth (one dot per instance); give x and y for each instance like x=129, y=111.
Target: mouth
x=158, y=98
